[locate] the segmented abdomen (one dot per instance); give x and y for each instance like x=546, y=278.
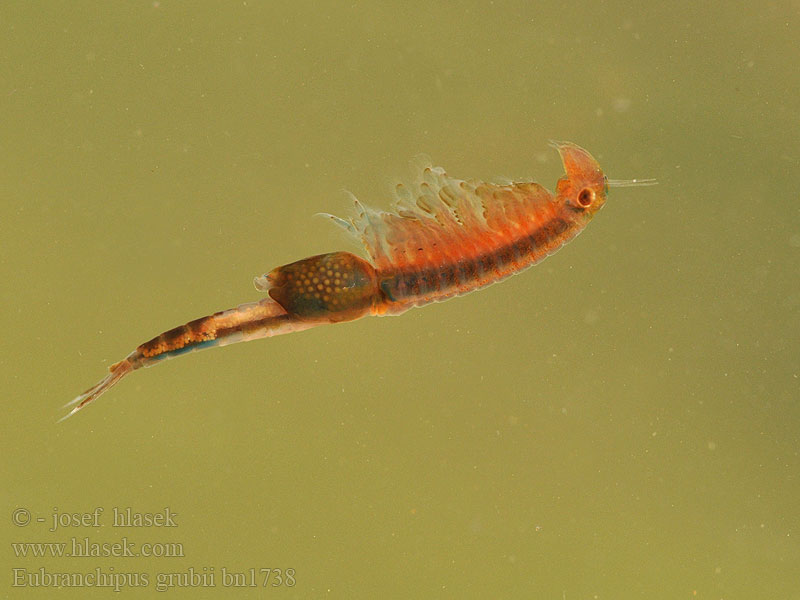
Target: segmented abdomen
x=404, y=288
x=238, y=324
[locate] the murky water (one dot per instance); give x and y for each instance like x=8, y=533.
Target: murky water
x=619, y=422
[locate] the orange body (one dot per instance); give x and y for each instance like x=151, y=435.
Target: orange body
x=445, y=238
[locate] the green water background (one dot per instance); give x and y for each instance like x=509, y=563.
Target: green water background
x=619, y=422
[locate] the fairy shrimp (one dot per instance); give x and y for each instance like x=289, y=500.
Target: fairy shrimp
x=445, y=237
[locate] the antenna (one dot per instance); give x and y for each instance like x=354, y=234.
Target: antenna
x=630, y=182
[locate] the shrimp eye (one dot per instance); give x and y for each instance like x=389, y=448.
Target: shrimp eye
x=586, y=197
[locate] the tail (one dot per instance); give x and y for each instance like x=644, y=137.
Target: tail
x=245, y=322
x=118, y=371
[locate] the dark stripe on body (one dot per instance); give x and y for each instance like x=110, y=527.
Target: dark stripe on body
x=411, y=282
